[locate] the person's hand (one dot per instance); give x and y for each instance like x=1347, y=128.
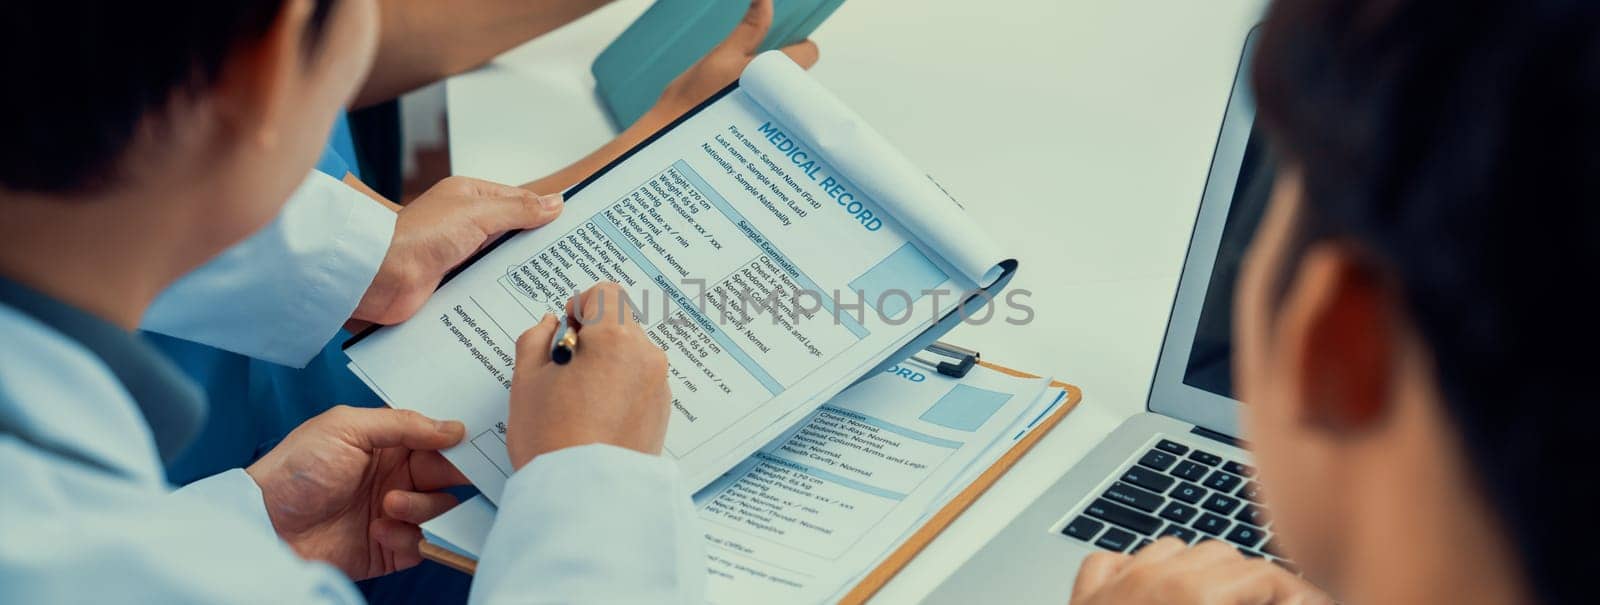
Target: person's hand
x=614, y=391
x=1168, y=571
x=720, y=67
x=350, y=486
x=724, y=63
x=439, y=230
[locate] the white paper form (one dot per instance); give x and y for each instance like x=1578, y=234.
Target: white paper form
x=812, y=511
x=718, y=216
x=1030, y=420
x=1047, y=404
x=465, y=528
x=822, y=120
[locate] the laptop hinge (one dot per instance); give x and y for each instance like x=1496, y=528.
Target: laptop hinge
x=1215, y=436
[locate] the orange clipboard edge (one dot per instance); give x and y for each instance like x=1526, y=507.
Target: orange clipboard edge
x=878, y=577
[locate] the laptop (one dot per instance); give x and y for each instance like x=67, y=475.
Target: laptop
x=1178, y=469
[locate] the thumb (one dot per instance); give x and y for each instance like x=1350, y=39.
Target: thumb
x=748, y=34
x=533, y=347
x=803, y=52
x=497, y=208
x=378, y=428
x=1095, y=572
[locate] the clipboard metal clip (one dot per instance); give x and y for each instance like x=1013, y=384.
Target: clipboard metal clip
x=963, y=359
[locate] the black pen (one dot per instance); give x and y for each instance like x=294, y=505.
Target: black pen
x=564, y=343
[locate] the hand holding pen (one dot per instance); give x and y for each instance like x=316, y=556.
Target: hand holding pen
x=615, y=393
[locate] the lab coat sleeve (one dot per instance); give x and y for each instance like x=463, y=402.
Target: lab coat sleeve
x=233, y=490
x=74, y=536
x=284, y=292
x=594, y=524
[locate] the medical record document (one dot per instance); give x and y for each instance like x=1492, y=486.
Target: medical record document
x=811, y=512
x=773, y=245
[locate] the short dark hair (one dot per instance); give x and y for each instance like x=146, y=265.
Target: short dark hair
x=1456, y=143
x=81, y=75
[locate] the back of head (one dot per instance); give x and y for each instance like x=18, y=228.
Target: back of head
x=1457, y=144
x=83, y=75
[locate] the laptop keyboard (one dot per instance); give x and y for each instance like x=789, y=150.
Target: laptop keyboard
x=1177, y=490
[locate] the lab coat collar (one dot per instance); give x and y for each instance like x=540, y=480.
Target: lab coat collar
x=172, y=405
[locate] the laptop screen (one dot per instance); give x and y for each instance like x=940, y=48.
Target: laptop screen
x=1209, y=366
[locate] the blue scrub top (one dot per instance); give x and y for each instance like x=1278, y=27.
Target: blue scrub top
x=339, y=156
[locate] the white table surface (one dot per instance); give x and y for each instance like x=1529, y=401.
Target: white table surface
x=1078, y=133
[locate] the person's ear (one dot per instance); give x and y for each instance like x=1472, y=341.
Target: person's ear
x=259, y=80
x=1337, y=326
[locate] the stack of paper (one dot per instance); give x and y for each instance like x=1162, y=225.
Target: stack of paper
x=815, y=509
x=771, y=244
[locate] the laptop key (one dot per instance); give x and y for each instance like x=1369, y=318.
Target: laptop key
x=1148, y=479
x=1116, y=539
x=1212, y=524
x=1245, y=536
x=1250, y=553
x=1083, y=528
x=1180, y=532
x=1206, y=458
x=1173, y=447
x=1135, y=497
x=1158, y=460
x=1190, y=471
x=1179, y=512
x=1117, y=514
x=1140, y=546
x=1188, y=492
x=1253, y=515
x=1242, y=470
x=1222, y=482
x=1221, y=504
x=1251, y=491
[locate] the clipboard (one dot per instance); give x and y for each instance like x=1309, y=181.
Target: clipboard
x=902, y=555
x=983, y=296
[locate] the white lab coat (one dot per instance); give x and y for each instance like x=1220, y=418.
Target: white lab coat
x=587, y=524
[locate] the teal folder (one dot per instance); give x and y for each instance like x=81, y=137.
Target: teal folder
x=672, y=35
